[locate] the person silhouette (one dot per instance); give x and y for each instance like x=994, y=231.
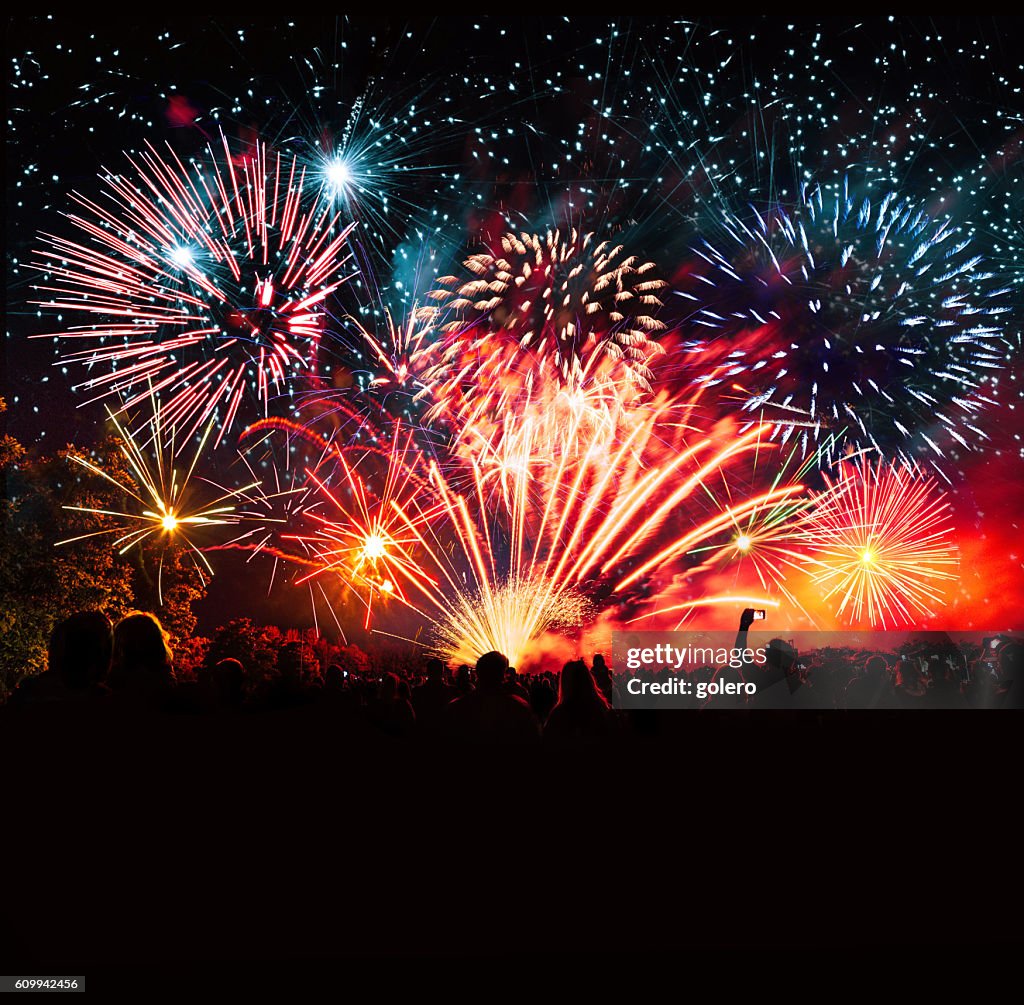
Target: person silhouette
x=490, y=712
x=77, y=663
x=513, y=686
x=778, y=679
x=1011, y=675
x=602, y=677
x=431, y=698
x=390, y=710
x=224, y=685
x=142, y=664
x=872, y=687
x=542, y=697
x=582, y=710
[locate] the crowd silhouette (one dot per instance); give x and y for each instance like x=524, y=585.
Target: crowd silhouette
x=96, y=667
x=273, y=804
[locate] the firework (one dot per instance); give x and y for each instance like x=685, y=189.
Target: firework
x=166, y=507
x=880, y=539
x=550, y=429
x=276, y=513
x=402, y=354
x=384, y=361
x=856, y=324
x=691, y=605
x=481, y=601
x=508, y=616
x=556, y=299
x=384, y=523
x=536, y=373
x=598, y=524
x=353, y=524
x=769, y=538
x=196, y=282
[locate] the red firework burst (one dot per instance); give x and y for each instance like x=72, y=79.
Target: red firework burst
x=196, y=281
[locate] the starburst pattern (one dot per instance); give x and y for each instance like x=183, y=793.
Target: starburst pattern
x=854, y=322
x=881, y=542
x=196, y=281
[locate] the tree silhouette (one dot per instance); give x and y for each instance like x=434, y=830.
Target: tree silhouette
x=42, y=583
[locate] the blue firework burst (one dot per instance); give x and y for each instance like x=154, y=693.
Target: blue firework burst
x=854, y=324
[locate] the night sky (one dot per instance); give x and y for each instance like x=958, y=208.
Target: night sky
x=631, y=126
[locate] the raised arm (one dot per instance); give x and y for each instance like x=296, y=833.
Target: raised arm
x=746, y=620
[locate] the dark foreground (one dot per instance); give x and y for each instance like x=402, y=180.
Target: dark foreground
x=170, y=845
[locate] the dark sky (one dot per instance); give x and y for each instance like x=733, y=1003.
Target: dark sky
x=503, y=116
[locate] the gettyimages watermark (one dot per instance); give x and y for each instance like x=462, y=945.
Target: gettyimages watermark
x=758, y=668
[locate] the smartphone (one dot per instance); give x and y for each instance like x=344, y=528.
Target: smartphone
x=759, y=615
x=345, y=673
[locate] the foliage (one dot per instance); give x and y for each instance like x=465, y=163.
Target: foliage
x=352, y=659
x=167, y=582
x=190, y=655
x=42, y=582
x=255, y=647
x=297, y=661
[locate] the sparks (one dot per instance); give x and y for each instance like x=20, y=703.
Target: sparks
x=880, y=542
x=856, y=322
x=362, y=532
x=198, y=283
x=555, y=299
x=339, y=173
x=164, y=496
x=570, y=532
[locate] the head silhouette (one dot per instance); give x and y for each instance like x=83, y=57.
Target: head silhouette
x=79, y=649
x=141, y=656
x=1011, y=660
x=876, y=665
x=577, y=685
x=229, y=679
x=491, y=670
x=780, y=656
x=907, y=672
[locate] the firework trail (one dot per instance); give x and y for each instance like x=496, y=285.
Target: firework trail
x=575, y=532
x=166, y=507
x=384, y=361
x=881, y=542
x=364, y=536
x=510, y=536
x=692, y=605
x=350, y=522
x=855, y=324
x=505, y=431
x=286, y=501
x=196, y=282
x=769, y=539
